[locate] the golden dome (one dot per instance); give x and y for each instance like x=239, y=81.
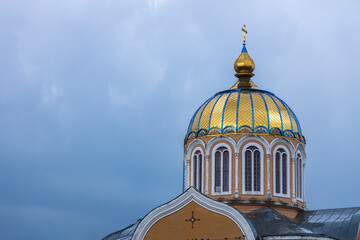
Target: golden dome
x=244, y=111
x=244, y=65
x=244, y=108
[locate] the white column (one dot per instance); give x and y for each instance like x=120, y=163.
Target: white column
x=187, y=181
x=184, y=173
x=236, y=175
x=303, y=183
x=207, y=175
x=293, y=180
x=184, y=170
x=268, y=194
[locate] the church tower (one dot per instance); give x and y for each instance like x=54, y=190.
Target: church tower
x=244, y=159
x=244, y=147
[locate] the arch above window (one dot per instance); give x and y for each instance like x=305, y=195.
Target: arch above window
x=255, y=139
x=300, y=148
x=197, y=143
x=221, y=159
x=252, y=169
x=215, y=141
x=286, y=144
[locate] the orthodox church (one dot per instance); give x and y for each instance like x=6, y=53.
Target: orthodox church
x=244, y=162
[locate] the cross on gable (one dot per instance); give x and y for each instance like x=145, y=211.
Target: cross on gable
x=192, y=219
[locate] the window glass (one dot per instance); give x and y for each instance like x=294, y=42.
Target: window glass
x=252, y=169
x=217, y=171
x=195, y=170
x=226, y=171
x=200, y=173
x=281, y=171
x=222, y=170
x=284, y=174
x=248, y=171
x=256, y=170
x=277, y=172
x=299, y=176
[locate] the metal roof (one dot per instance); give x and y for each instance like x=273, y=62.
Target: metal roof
x=124, y=234
x=244, y=110
x=340, y=223
x=269, y=222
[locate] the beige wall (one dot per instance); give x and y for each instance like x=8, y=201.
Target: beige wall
x=236, y=137
x=211, y=225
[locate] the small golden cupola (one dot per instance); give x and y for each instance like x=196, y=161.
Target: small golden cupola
x=244, y=67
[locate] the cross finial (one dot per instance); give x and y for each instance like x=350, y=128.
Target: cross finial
x=245, y=32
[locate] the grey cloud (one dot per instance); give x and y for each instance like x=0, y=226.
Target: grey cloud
x=95, y=98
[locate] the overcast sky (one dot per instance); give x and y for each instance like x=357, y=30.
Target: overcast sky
x=96, y=97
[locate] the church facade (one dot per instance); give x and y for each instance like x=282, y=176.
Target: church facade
x=244, y=163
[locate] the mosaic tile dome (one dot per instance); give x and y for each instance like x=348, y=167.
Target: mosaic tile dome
x=244, y=111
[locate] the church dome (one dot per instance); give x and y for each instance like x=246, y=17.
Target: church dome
x=244, y=108
x=244, y=111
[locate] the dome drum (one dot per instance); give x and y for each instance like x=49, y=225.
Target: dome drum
x=263, y=172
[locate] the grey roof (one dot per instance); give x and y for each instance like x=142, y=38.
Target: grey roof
x=340, y=223
x=269, y=222
x=124, y=234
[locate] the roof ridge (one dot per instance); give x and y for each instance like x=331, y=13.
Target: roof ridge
x=327, y=209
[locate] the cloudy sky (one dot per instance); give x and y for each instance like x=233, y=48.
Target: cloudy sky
x=96, y=96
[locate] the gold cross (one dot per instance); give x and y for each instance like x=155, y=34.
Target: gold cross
x=244, y=30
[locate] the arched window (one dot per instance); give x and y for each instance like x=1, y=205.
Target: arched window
x=299, y=176
x=197, y=170
x=281, y=172
x=222, y=170
x=252, y=169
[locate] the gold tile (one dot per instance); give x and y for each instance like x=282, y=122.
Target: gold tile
x=204, y=120
x=230, y=110
x=216, y=115
x=260, y=114
x=274, y=116
x=244, y=111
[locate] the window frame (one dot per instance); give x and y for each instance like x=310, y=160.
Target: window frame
x=193, y=167
x=302, y=176
x=215, y=148
x=287, y=195
x=261, y=150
